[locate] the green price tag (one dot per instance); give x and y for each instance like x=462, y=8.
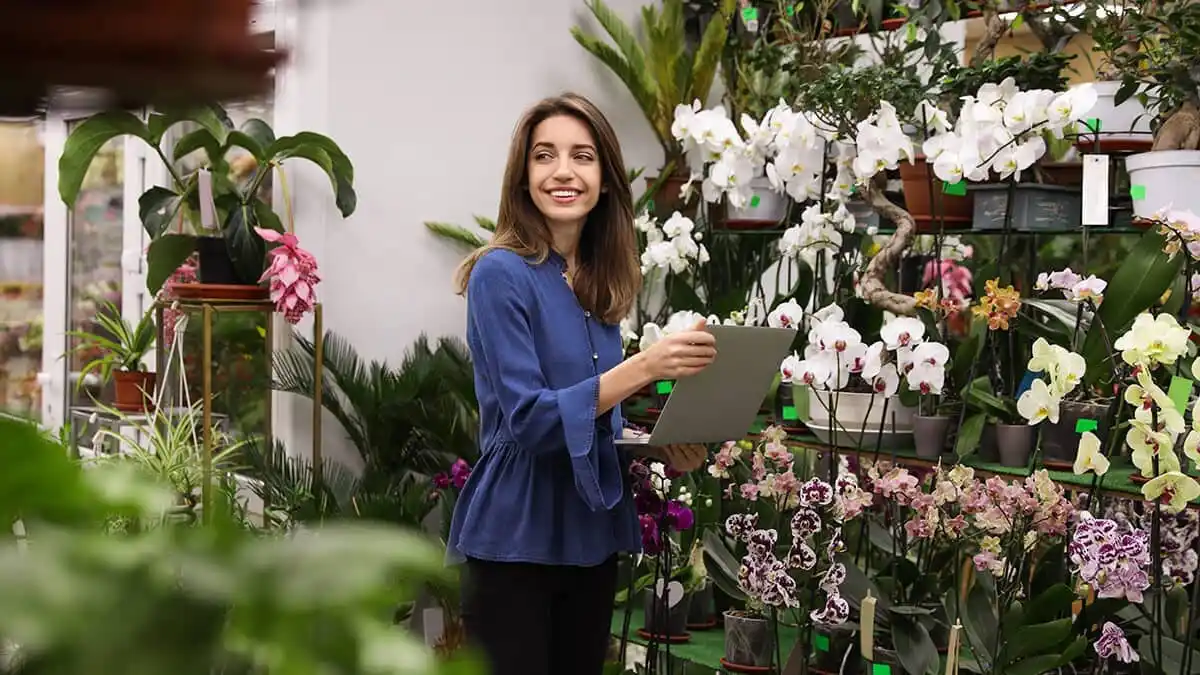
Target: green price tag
x=853, y=188
x=1082, y=425
x=791, y=10
x=1093, y=124
x=821, y=642
x=881, y=669
x=754, y=202
x=959, y=188
x=650, y=206
x=1179, y=392
x=789, y=412
x=1138, y=192
x=664, y=387
x=750, y=14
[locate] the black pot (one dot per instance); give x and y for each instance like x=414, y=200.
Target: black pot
x=787, y=415
x=749, y=640
x=884, y=662
x=829, y=649
x=216, y=267
x=701, y=612
x=1060, y=441
x=664, y=621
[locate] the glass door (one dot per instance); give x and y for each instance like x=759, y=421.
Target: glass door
x=93, y=255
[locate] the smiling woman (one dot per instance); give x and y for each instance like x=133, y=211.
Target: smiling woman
x=546, y=509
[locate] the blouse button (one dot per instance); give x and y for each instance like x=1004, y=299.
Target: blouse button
x=587, y=313
x=595, y=356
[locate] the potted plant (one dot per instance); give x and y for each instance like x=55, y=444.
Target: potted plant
x=661, y=73
x=1157, y=68
x=188, y=216
x=119, y=349
x=663, y=514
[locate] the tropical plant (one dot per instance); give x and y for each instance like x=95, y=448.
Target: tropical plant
x=663, y=71
x=172, y=216
x=120, y=345
x=415, y=418
x=192, y=600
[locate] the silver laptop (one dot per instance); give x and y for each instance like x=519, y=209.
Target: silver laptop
x=720, y=403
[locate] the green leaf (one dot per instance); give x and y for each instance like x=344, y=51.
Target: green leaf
x=247, y=250
x=722, y=566
x=165, y=255
x=1035, y=639
x=265, y=217
x=196, y=140
x=326, y=154
x=157, y=208
x=914, y=647
x=85, y=141
x=456, y=233
x=485, y=223
x=1136, y=286
x=980, y=620
x=242, y=140
x=212, y=118
x=969, y=434
x=1036, y=665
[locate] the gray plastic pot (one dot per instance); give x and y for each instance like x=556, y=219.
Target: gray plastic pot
x=1015, y=442
x=929, y=435
x=749, y=640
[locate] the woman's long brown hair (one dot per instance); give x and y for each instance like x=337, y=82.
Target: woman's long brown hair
x=608, y=278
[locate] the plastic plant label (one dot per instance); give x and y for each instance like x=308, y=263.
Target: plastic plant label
x=881, y=669
x=1179, y=392
x=664, y=387
x=1093, y=124
x=750, y=15
x=1082, y=425
x=1137, y=192
x=820, y=642
x=754, y=202
x=791, y=10
x=1026, y=382
x=789, y=412
x=650, y=206
x=958, y=189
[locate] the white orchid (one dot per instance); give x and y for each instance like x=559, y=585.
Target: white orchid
x=675, y=247
x=787, y=314
x=680, y=321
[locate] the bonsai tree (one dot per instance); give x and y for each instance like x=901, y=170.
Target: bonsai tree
x=172, y=215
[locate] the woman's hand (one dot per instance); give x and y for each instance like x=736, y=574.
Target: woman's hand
x=681, y=354
x=686, y=457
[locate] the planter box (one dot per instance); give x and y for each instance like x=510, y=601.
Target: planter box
x=1035, y=207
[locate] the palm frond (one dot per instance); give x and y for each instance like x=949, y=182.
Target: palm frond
x=708, y=55
x=456, y=233
x=485, y=223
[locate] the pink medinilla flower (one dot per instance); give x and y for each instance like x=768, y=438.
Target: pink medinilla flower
x=293, y=275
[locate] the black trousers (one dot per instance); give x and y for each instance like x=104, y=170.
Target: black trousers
x=532, y=619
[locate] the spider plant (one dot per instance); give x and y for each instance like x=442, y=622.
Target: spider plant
x=117, y=345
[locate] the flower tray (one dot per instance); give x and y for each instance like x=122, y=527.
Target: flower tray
x=673, y=639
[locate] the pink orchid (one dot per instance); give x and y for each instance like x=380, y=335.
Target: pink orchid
x=956, y=278
x=293, y=275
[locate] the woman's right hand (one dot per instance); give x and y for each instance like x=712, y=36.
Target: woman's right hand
x=681, y=354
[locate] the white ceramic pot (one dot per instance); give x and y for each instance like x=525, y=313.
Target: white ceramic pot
x=1128, y=121
x=1164, y=178
x=765, y=206
x=855, y=411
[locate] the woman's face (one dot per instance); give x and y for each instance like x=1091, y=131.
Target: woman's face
x=564, y=170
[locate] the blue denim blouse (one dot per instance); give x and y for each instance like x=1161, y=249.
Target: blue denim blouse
x=550, y=486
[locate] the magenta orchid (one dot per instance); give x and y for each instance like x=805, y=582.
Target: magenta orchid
x=292, y=273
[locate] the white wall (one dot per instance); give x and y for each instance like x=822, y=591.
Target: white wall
x=423, y=97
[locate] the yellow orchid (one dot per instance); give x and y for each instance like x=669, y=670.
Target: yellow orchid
x=1172, y=489
x=1089, y=456
x=1146, y=444
x=1145, y=396
x=1039, y=403
x=1153, y=340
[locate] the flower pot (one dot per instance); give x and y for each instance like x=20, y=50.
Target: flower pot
x=859, y=410
x=1060, y=442
x=133, y=390
x=789, y=407
x=702, y=610
x=884, y=662
x=749, y=640
x=1164, y=178
x=215, y=265
x=766, y=208
x=829, y=647
x=1034, y=207
x=1126, y=122
x=953, y=211
x=663, y=619
x=1015, y=442
x=929, y=435
x=667, y=201
x=988, y=451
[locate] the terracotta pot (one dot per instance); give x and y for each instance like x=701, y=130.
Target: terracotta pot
x=667, y=201
x=954, y=212
x=134, y=391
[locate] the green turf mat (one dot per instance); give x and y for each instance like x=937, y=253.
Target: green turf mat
x=705, y=648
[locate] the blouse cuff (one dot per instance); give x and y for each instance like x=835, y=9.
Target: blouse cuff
x=597, y=470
